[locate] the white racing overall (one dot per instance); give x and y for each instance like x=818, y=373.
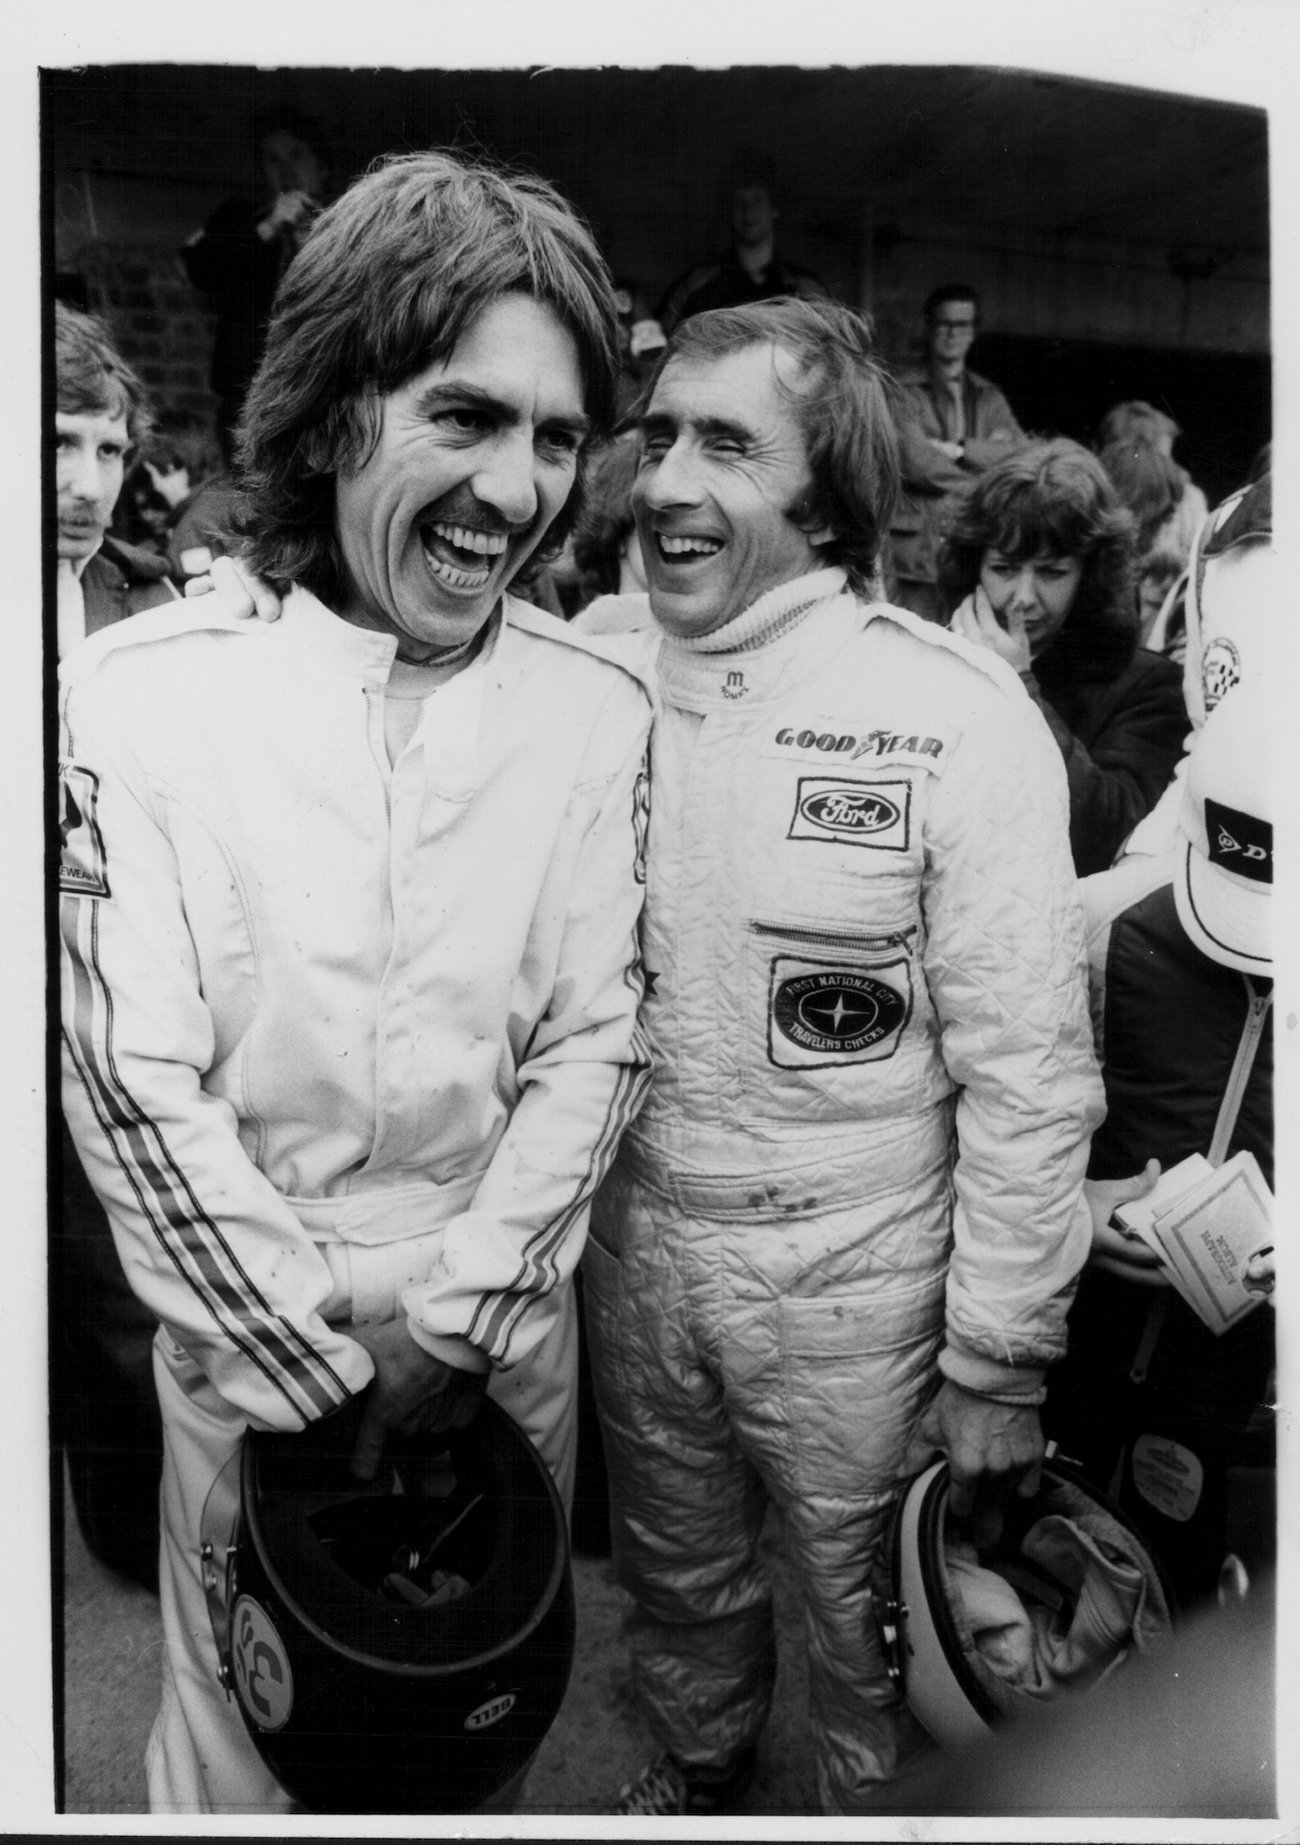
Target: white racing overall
x=343, y=1041
x=860, y=1163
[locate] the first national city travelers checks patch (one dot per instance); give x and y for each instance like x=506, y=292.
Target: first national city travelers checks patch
x=834, y=1015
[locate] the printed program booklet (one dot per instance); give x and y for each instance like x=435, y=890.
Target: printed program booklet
x=1205, y=1223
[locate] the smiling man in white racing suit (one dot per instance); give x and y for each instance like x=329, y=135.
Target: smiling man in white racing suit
x=349, y=922
x=845, y=1229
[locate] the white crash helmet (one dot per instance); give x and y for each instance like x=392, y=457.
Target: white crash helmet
x=1067, y=1594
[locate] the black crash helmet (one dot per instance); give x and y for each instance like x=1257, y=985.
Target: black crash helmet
x=401, y=1647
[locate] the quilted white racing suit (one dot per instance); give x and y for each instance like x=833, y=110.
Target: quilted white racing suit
x=862, y=1151
x=343, y=1041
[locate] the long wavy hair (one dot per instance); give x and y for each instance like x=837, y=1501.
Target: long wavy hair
x=845, y=406
x=391, y=276
x=1054, y=497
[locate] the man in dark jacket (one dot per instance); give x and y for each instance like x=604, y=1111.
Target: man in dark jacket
x=751, y=268
x=100, y=416
x=239, y=256
x=952, y=425
x=105, y=1406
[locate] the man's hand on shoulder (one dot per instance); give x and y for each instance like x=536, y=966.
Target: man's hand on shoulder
x=243, y=594
x=992, y=1449
x=412, y=1393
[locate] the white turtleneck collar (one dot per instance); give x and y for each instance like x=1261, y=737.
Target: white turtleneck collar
x=774, y=614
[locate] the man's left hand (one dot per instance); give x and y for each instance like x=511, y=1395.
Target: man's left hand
x=993, y=1449
x=412, y=1393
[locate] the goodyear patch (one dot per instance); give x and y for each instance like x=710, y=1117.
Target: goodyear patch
x=852, y=813
x=83, y=864
x=805, y=739
x=820, y=1015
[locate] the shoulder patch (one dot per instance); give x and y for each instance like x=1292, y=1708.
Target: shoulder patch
x=83, y=864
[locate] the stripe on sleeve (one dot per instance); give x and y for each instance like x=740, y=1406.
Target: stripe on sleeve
x=183, y=1229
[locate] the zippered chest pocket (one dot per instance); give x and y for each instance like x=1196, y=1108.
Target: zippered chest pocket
x=835, y=1008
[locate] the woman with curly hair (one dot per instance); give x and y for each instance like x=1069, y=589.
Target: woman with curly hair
x=1038, y=565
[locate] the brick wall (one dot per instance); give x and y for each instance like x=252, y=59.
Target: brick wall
x=162, y=326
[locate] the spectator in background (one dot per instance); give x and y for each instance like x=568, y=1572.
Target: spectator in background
x=952, y=425
x=1174, y=1420
x=184, y=463
x=143, y=516
x=101, y=416
x=239, y=256
x=1225, y=625
x=1038, y=566
x=640, y=341
x=606, y=547
x=105, y=1409
x=751, y=269
x=1151, y=485
x=1138, y=424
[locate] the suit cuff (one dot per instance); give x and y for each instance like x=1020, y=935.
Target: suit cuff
x=450, y=1348
x=1020, y=1386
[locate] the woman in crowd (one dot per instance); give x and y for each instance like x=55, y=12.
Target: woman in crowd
x=1038, y=566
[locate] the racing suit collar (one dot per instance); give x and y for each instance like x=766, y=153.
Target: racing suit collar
x=770, y=616
x=362, y=653
x=744, y=677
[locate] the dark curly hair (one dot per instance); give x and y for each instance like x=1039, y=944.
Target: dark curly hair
x=389, y=279
x=1054, y=497
x=846, y=409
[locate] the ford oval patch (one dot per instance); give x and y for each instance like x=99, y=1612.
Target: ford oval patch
x=839, y=809
x=849, y=811
x=492, y=1712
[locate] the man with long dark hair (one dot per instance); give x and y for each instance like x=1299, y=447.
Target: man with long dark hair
x=349, y=927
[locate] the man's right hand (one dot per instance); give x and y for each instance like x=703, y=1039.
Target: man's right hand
x=244, y=595
x=411, y=1393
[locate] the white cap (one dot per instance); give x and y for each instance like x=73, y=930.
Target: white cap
x=1224, y=876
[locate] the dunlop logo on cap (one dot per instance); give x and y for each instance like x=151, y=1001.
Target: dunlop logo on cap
x=1239, y=842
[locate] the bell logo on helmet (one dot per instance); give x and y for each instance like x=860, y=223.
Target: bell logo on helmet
x=263, y=1677
x=492, y=1712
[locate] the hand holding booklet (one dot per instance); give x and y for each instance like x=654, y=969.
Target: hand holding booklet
x=1205, y=1223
